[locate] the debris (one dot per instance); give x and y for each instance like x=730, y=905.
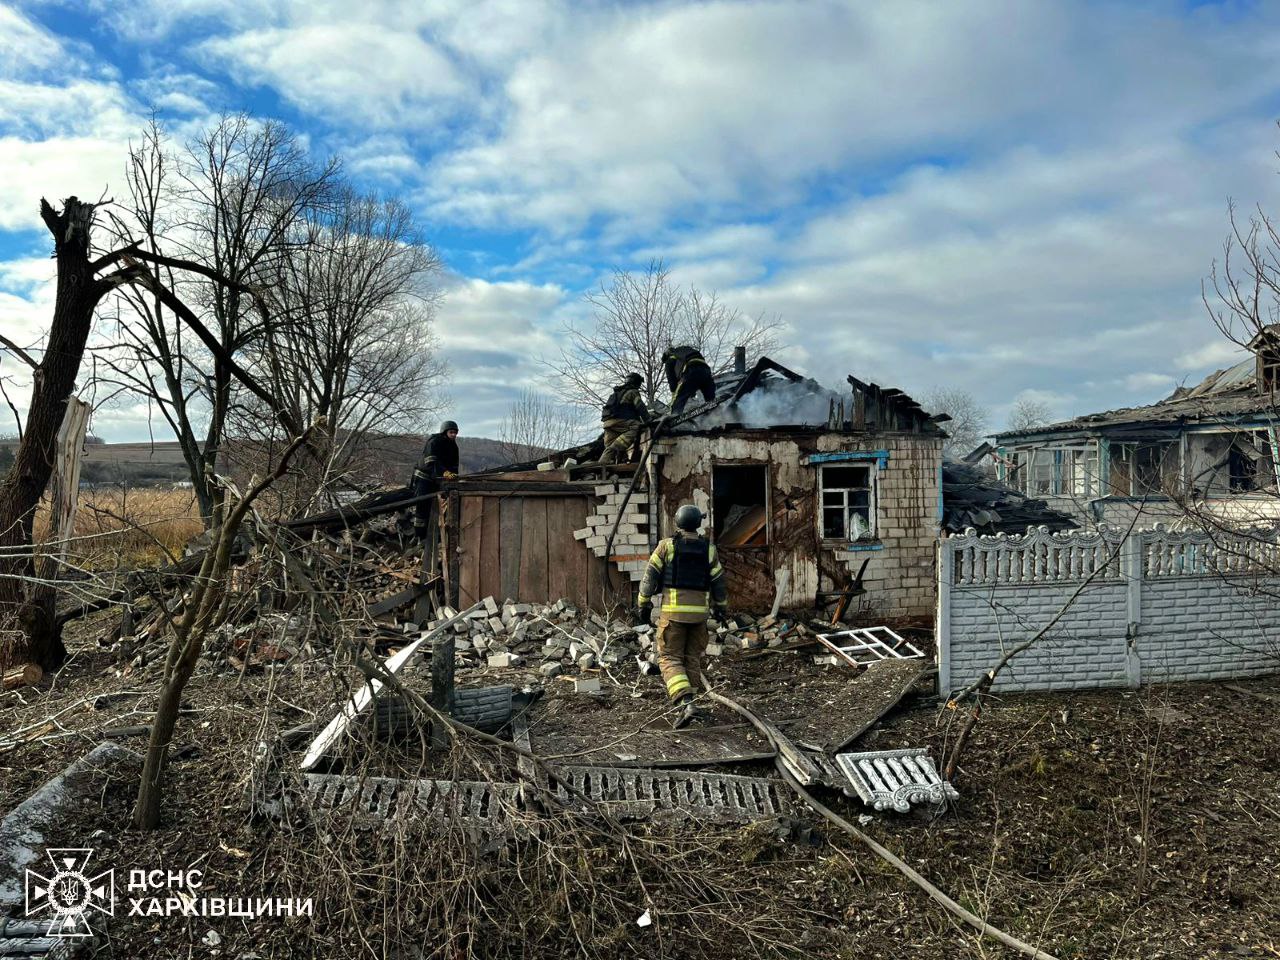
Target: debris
x=586, y=685
x=551, y=669
x=587, y=661
x=644, y=919
x=895, y=779
x=366, y=694
x=865, y=647
x=40, y=820
x=500, y=661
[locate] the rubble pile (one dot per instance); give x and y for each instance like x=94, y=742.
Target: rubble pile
x=561, y=640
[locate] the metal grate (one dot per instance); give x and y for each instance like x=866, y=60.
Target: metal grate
x=867, y=645
x=387, y=798
x=895, y=779
x=627, y=793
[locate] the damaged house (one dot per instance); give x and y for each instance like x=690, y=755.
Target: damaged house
x=1211, y=447
x=806, y=491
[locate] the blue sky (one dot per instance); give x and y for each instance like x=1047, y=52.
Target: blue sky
x=1014, y=198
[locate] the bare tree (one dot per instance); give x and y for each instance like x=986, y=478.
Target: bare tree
x=229, y=200
x=29, y=631
x=536, y=423
x=635, y=318
x=968, y=424
x=1028, y=413
x=352, y=342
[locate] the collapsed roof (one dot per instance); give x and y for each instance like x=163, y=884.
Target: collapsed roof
x=972, y=499
x=772, y=396
x=1229, y=395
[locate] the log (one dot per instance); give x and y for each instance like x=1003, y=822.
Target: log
x=24, y=675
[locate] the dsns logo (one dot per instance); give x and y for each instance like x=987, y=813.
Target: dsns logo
x=70, y=892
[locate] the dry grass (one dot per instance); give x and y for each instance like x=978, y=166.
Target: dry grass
x=129, y=527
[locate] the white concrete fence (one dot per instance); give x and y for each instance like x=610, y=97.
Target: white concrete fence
x=1150, y=607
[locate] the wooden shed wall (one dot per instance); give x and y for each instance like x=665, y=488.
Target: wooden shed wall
x=522, y=548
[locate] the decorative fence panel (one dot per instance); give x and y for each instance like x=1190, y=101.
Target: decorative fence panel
x=1149, y=606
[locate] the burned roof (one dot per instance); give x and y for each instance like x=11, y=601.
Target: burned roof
x=1227, y=395
x=772, y=396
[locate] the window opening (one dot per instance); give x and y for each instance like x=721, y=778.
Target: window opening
x=740, y=505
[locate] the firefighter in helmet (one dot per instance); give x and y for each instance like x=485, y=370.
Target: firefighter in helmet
x=622, y=416
x=686, y=573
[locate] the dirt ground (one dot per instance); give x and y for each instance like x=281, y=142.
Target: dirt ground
x=1126, y=824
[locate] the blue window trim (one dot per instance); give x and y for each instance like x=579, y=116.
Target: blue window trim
x=881, y=457
x=861, y=547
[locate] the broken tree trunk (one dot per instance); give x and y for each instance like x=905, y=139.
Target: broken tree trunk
x=29, y=631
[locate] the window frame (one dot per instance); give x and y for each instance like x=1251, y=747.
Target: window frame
x=873, y=501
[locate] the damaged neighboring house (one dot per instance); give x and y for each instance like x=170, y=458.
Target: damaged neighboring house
x=1213, y=446
x=805, y=488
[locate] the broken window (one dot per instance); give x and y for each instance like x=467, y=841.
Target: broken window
x=1249, y=465
x=739, y=505
x=1041, y=480
x=848, y=502
x=1145, y=469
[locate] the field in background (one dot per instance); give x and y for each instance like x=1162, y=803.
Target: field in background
x=129, y=527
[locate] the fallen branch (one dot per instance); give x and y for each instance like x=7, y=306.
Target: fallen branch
x=983, y=928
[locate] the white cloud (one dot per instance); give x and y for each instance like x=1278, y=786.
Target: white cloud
x=492, y=335
x=1149, y=383
x=23, y=44
x=1220, y=352
x=352, y=71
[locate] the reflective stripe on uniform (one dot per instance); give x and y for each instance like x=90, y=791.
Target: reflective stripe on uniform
x=678, y=684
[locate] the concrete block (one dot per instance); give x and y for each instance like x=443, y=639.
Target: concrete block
x=586, y=661
x=590, y=685
x=551, y=669
x=491, y=606
x=499, y=661
x=715, y=649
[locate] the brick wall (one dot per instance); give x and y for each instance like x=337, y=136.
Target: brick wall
x=900, y=579
x=1151, y=607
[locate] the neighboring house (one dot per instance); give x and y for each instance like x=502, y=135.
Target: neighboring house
x=1212, y=447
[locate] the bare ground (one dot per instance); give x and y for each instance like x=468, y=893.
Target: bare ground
x=1117, y=824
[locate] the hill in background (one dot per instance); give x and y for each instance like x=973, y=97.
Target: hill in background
x=390, y=459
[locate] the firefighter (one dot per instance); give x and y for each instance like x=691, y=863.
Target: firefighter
x=622, y=416
x=687, y=373
x=688, y=574
x=439, y=462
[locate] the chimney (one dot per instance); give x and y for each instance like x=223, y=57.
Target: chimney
x=739, y=359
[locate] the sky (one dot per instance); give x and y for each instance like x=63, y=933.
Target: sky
x=1010, y=197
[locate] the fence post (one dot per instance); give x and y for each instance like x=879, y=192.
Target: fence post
x=1131, y=568
x=942, y=623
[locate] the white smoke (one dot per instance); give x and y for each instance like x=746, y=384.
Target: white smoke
x=777, y=402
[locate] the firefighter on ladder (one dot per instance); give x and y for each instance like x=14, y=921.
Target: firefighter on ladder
x=622, y=418
x=687, y=572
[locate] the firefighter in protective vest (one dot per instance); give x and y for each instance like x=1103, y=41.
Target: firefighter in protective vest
x=687, y=373
x=687, y=572
x=622, y=416
x=439, y=461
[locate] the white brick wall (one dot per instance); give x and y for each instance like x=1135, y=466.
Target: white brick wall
x=1161, y=607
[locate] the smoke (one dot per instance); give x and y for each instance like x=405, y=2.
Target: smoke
x=776, y=402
